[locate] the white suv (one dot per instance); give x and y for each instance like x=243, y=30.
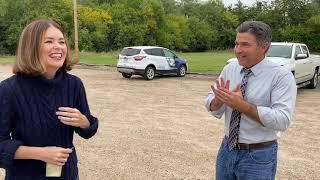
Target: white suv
x=148, y=61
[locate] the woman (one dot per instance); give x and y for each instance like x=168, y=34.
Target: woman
x=41, y=107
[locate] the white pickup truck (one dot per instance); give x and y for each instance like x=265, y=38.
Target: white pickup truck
x=295, y=57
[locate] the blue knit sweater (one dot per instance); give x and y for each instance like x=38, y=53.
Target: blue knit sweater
x=27, y=117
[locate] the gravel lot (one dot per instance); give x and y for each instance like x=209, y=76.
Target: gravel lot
x=160, y=129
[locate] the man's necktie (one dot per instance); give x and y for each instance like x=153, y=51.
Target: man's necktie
x=236, y=115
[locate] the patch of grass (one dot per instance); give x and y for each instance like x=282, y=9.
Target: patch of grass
x=207, y=61
x=7, y=59
x=198, y=62
x=109, y=58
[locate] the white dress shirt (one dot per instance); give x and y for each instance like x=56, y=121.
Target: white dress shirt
x=272, y=88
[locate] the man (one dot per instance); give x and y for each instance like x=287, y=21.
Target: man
x=258, y=98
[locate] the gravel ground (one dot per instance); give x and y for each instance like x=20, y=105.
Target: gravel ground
x=160, y=129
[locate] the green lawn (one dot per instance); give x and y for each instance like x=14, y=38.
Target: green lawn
x=207, y=61
x=198, y=62
x=109, y=58
x=6, y=59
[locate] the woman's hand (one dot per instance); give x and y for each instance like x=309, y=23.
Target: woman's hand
x=55, y=155
x=72, y=117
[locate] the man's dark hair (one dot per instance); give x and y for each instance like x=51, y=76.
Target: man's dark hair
x=260, y=30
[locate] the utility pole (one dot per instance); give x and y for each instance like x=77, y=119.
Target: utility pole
x=75, y=20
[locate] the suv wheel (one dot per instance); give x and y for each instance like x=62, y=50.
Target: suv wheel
x=182, y=71
x=314, y=81
x=149, y=73
x=125, y=75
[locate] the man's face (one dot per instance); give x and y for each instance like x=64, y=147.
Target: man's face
x=247, y=50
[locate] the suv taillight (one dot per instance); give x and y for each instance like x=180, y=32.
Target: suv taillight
x=139, y=58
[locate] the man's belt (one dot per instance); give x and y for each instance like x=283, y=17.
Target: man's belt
x=243, y=146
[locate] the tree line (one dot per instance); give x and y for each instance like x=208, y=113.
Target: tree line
x=181, y=25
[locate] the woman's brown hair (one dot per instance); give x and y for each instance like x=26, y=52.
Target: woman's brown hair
x=28, y=60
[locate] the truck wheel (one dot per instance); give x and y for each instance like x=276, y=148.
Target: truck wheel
x=125, y=75
x=181, y=71
x=314, y=81
x=149, y=73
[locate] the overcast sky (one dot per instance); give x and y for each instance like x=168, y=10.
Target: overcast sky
x=245, y=2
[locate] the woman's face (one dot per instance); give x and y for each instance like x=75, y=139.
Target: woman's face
x=53, y=50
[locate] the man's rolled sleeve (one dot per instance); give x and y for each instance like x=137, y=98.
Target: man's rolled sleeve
x=274, y=119
x=218, y=113
x=283, y=99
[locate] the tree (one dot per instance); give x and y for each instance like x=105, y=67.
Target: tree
x=19, y=13
x=293, y=12
x=94, y=28
x=201, y=35
x=227, y=33
x=169, y=6
x=3, y=7
x=177, y=33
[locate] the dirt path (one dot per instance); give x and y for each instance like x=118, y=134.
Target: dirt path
x=160, y=129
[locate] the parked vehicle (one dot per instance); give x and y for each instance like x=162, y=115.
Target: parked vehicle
x=148, y=61
x=297, y=58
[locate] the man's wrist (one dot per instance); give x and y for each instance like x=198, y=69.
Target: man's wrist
x=250, y=110
x=215, y=105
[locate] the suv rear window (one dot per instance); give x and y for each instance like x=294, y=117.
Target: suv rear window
x=130, y=52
